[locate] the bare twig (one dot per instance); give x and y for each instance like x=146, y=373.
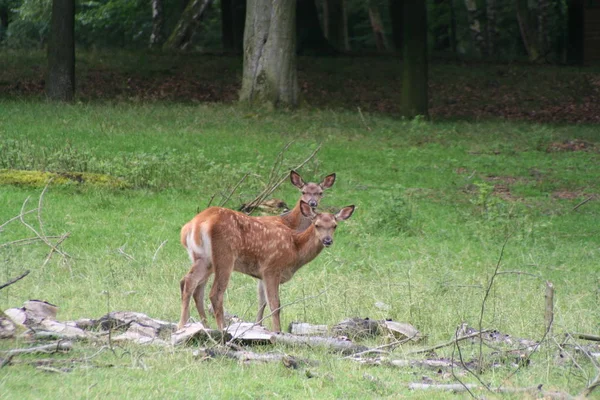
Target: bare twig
x=485, y=297
x=16, y=218
x=26, y=241
x=450, y=343
x=463, y=364
x=232, y=191
x=18, y=278
x=272, y=187
x=157, y=250
x=362, y=118
x=549, y=310
x=583, y=202
x=122, y=252
x=42, y=237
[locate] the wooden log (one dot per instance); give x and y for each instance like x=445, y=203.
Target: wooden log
x=453, y=387
x=61, y=346
x=338, y=345
x=196, y=332
x=306, y=329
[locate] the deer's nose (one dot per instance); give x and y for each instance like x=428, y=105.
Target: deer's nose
x=312, y=203
x=328, y=241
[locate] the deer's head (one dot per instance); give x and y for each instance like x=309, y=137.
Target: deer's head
x=312, y=193
x=325, y=223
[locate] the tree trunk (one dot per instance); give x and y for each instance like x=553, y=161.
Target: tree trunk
x=527, y=34
x=396, y=10
x=475, y=26
x=269, y=54
x=414, y=96
x=491, y=11
x=233, y=14
x=227, y=24
x=453, y=36
x=158, y=21
x=441, y=32
x=3, y=20
x=60, y=83
x=377, y=26
x=188, y=22
x=542, y=20
x=335, y=24
x=311, y=39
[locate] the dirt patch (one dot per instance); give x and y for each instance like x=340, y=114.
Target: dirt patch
x=570, y=145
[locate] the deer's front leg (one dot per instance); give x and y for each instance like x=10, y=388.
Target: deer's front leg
x=262, y=301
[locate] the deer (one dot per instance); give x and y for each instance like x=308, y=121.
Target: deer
x=220, y=241
x=312, y=193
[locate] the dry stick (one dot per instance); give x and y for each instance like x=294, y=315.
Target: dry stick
x=378, y=348
x=269, y=190
x=549, y=310
x=457, y=347
x=362, y=118
x=157, y=250
x=15, y=218
x=43, y=238
x=586, y=336
x=39, y=208
x=485, y=297
x=591, y=387
x=18, y=278
x=450, y=343
x=232, y=191
x=58, y=242
x=582, y=203
x=25, y=242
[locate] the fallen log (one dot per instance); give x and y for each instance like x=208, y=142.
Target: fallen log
x=61, y=346
x=337, y=345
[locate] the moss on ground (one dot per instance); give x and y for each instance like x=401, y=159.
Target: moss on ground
x=41, y=178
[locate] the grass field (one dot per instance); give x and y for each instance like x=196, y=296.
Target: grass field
x=435, y=204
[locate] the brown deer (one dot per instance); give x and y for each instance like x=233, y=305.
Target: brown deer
x=220, y=241
x=312, y=193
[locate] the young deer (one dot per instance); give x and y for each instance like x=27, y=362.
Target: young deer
x=221, y=241
x=312, y=193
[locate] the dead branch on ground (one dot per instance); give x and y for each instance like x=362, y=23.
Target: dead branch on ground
x=14, y=280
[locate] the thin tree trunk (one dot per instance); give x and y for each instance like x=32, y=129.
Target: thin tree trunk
x=60, y=83
x=527, y=36
x=269, y=54
x=542, y=20
x=475, y=26
x=190, y=18
x=3, y=20
x=377, y=26
x=335, y=24
x=158, y=21
x=310, y=35
x=492, y=26
x=396, y=8
x=233, y=14
x=227, y=24
x=453, y=37
x=441, y=31
x=414, y=96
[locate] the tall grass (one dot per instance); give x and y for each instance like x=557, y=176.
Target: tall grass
x=435, y=202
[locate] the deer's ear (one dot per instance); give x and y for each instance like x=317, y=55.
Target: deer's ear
x=328, y=181
x=296, y=179
x=306, y=210
x=344, y=213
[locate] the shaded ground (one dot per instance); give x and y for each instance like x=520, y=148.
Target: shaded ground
x=457, y=90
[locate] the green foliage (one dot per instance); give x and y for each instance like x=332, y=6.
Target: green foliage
x=428, y=258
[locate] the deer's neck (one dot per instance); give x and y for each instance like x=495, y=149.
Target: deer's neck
x=308, y=244
x=295, y=220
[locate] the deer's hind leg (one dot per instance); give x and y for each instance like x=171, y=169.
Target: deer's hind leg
x=193, y=284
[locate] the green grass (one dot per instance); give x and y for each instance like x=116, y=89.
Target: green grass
x=432, y=214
